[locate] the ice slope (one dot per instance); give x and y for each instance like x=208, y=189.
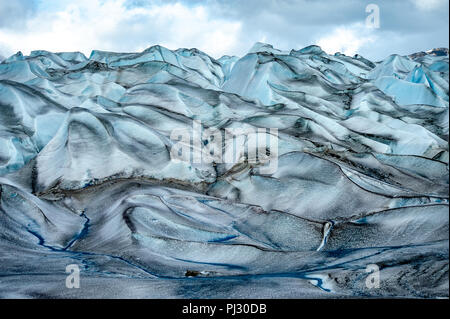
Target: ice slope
x=88, y=176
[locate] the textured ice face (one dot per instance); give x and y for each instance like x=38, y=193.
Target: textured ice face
x=88, y=175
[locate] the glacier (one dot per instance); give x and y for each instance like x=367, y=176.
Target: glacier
x=87, y=176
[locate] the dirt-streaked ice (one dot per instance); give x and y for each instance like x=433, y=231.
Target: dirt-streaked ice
x=87, y=175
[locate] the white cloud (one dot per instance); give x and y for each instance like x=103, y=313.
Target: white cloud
x=85, y=25
x=220, y=27
x=5, y=50
x=428, y=5
x=348, y=40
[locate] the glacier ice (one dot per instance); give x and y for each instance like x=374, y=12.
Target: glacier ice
x=87, y=176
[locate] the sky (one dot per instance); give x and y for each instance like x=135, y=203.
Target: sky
x=223, y=27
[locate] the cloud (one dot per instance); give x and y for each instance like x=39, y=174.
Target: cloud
x=220, y=27
x=428, y=5
x=347, y=40
x=14, y=13
x=293, y=24
x=110, y=25
x=5, y=51
x=177, y=25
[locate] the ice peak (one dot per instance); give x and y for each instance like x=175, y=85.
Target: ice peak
x=264, y=47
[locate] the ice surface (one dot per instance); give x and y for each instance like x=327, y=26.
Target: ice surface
x=87, y=175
